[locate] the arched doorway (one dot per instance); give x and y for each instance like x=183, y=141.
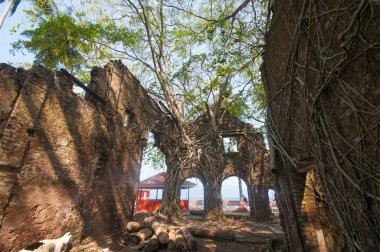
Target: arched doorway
x=234, y=195
x=273, y=203
x=150, y=186
x=194, y=195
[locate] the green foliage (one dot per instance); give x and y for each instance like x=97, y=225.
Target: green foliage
x=200, y=56
x=24, y=65
x=14, y=7
x=230, y=144
x=231, y=57
x=62, y=41
x=259, y=100
x=153, y=156
x=203, y=50
x=60, y=30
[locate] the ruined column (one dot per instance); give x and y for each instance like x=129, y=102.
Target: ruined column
x=172, y=190
x=213, y=203
x=261, y=204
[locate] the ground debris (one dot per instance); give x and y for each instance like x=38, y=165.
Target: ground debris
x=199, y=235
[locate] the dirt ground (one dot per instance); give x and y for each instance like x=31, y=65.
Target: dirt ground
x=249, y=236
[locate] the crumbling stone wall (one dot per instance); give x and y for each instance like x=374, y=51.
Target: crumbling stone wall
x=68, y=164
x=250, y=163
x=321, y=82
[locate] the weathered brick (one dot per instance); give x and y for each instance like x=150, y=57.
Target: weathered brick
x=51, y=149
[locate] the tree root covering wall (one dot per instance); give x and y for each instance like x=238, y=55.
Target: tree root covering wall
x=195, y=150
x=68, y=164
x=321, y=75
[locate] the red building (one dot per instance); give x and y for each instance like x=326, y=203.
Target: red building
x=143, y=194
x=156, y=182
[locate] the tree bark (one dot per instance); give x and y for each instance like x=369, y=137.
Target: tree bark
x=171, y=192
x=261, y=203
x=134, y=226
x=213, y=201
x=251, y=195
x=241, y=197
x=144, y=234
x=152, y=245
x=171, y=243
x=135, y=238
x=5, y=12
x=192, y=244
x=161, y=232
x=180, y=243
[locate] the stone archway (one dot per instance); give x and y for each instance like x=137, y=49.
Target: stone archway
x=257, y=190
x=195, y=194
x=234, y=192
x=249, y=160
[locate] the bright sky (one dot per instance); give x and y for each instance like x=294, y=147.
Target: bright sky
x=6, y=38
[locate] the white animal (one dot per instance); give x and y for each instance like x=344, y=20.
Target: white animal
x=53, y=245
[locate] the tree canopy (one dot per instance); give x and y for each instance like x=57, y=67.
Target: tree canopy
x=193, y=56
x=40, y=6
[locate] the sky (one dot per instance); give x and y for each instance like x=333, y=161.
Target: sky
x=6, y=38
x=230, y=185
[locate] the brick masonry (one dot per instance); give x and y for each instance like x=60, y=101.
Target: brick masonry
x=317, y=166
x=67, y=164
x=250, y=163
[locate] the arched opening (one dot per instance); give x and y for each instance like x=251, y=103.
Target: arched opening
x=151, y=178
x=235, y=195
x=273, y=204
x=193, y=193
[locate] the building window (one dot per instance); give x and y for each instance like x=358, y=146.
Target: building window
x=230, y=144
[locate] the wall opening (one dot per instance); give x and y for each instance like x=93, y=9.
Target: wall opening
x=235, y=195
x=230, y=144
x=128, y=119
x=194, y=195
x=273, y=204
x=151, y=180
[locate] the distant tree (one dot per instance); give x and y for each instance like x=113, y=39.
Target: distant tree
x=11, y=7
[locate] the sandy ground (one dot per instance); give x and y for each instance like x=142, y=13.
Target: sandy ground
x=250, y=236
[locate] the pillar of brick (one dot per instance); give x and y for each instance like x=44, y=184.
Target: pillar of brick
x=261, y=203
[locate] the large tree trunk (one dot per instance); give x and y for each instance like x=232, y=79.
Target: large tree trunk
x=194, y=147
x=171, y=192
x=251, y=196
x=213, y=200
x=5, y=12
x=261, y=202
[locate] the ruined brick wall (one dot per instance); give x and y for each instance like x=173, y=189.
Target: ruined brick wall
x=67, y=164
x=321, y=81
x=250, y=163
